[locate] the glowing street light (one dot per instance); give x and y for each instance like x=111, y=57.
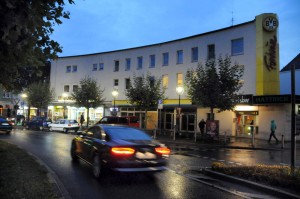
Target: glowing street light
x=115, y=94
x=64, y=95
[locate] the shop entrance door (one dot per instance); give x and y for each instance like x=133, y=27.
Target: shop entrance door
x=246, y=125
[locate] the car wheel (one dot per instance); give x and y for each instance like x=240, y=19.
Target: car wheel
x=65, y=130
x=8, y=132
x=97, y=169
x=41, y=128
x=50, y=128
x=73, y=152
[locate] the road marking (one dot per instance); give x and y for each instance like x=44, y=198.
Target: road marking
x=192, y=177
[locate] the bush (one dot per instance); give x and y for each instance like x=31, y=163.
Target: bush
x=276, y=175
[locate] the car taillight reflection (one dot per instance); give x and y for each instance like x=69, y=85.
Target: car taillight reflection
x=122, y=151
x=163, y=150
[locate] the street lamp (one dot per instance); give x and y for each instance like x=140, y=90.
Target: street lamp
x=65, y=95
x=115, y=94
x=24, y=96
x=179, y=91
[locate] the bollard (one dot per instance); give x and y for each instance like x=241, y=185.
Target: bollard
x=225, y=137
x=282, y=141
x=154, y=133
x=253, y=145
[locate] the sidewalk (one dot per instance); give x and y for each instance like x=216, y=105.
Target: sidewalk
x=233, y=142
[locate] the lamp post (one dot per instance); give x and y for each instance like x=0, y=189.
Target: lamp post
x=24, y=96
x=115, y=94
x=64, y=95
x=179, y=91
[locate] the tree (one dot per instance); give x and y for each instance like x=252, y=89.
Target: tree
x=209, y=87
x=88, y=95
x=144, y=92
x=25, y=29
x=39, y=95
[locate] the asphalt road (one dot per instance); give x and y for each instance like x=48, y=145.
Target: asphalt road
x=179, y=181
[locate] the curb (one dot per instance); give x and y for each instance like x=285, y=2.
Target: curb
x=182, y=145
x=262, y=187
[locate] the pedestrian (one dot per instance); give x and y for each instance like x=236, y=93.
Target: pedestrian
x=252, y=126
x=202, y=126
x=273, y=128
x=81, y=119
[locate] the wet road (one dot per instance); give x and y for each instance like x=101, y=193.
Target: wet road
x=54, y=150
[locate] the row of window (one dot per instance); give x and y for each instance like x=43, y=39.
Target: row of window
x=237, y=48
x=165, y=82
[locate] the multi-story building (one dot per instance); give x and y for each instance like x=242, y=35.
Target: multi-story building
x=253, y=45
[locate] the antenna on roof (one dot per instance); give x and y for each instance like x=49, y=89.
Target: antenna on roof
x=232, y=19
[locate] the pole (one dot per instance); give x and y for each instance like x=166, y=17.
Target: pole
x=293, y=139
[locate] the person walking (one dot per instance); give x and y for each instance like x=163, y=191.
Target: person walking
x=81, y=119
x=273, y=128
x=202, y=126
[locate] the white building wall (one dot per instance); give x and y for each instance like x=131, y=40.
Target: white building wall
x=221, y=39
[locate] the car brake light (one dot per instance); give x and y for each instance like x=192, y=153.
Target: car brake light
x=122, y=151
x=163, y=150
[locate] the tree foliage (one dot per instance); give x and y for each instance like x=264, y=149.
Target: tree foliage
x=25, y=44
x=88, y=94
x=39, y=95
x=145, y=91
x=216, y=84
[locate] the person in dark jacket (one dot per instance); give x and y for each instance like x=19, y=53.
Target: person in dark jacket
x=202, y=126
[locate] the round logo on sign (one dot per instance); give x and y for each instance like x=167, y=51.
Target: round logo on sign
x=270, y=23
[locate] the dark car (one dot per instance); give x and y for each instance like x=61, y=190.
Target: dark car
x=40, y=123
x=5, y=125
x=123, y=120
x=119, y=148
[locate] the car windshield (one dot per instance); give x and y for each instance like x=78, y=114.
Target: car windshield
x=127, y=134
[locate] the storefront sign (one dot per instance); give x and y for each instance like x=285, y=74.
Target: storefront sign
x=245, y=99
x=272, y=99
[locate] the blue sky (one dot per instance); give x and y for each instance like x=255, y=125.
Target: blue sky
x=104, y=25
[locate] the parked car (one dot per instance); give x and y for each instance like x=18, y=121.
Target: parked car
x=64, y=125
x=5, y=125
x=124, y=120
x=38, y=122
x=119, y=148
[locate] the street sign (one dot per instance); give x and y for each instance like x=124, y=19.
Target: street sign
x=160, y=104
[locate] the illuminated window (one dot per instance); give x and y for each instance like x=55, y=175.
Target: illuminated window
x=179, y=79
x=165, y=81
